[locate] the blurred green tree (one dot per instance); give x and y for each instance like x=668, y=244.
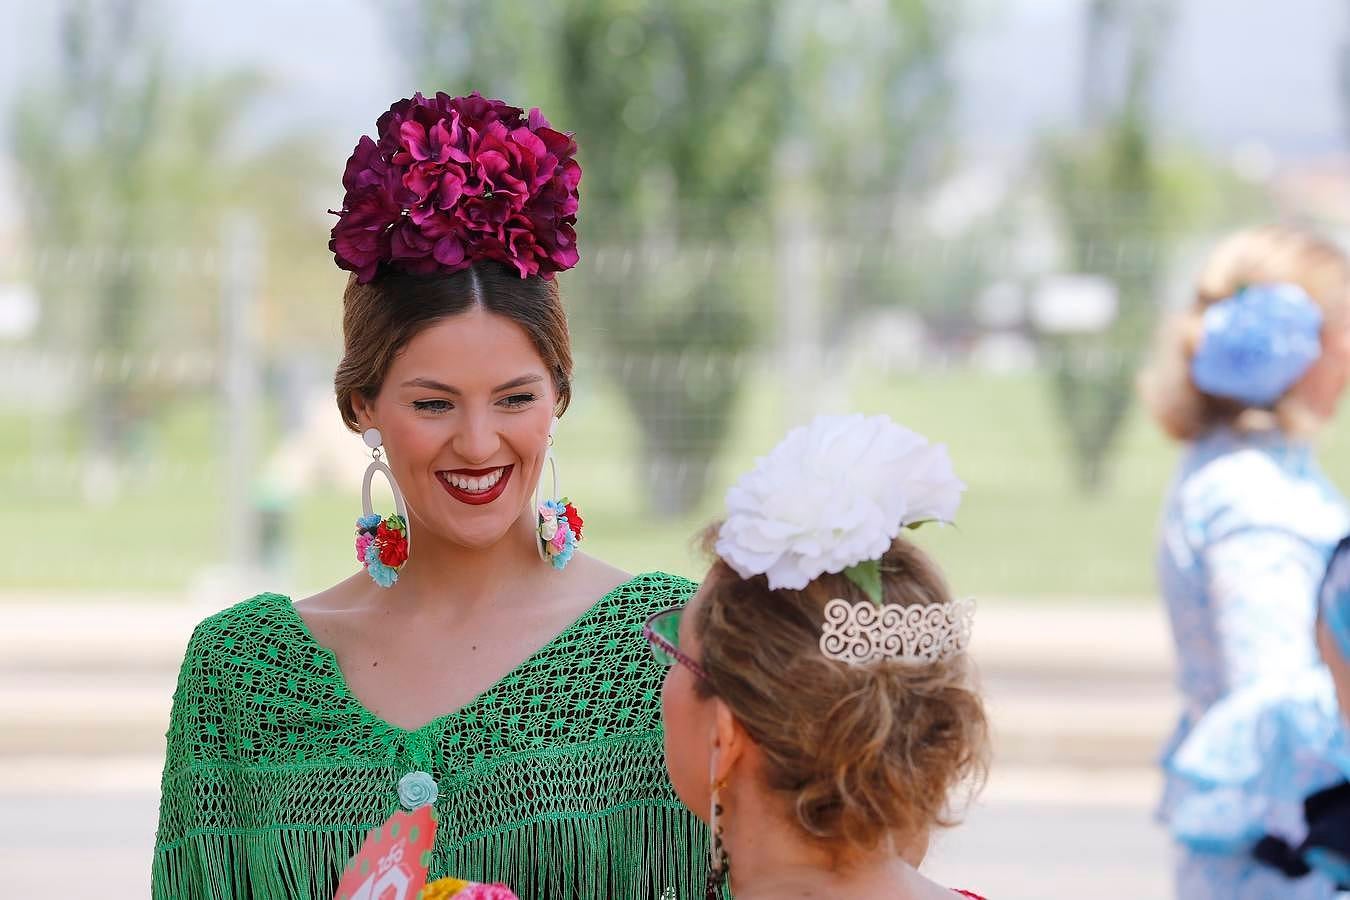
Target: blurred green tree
x=691, y=116
x=127, y=164
x=1108, y=187
x=871, y=95
x=679, y=109
x=1124, y=200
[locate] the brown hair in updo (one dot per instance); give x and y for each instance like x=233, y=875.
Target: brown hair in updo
x=860, y=752
x=380, y=318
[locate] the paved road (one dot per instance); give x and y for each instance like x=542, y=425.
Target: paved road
x=1073, y=843
x=1037, y=852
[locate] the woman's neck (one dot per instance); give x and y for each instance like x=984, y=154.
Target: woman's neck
x=438, y=570
x=769, y=857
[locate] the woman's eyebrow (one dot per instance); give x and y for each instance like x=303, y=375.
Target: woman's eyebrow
x=434, y=385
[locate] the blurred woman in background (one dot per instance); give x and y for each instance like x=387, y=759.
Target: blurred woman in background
x=1244, y=377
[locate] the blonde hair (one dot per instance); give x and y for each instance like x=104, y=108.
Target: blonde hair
x=1268, y=254
x=862, y=753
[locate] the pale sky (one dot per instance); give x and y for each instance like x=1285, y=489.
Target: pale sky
x=1237, y=70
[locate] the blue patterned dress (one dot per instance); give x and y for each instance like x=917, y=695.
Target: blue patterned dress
x=1249, y=524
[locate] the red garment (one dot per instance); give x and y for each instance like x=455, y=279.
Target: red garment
x=969, y=894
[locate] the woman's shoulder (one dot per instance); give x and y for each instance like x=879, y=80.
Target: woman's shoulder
x=650, y=592
x=1236, y=486
x=661, y=584
x=598, y=678
x=260, y=626
x=256, y=615
x=246, y=647
x=1222, y=461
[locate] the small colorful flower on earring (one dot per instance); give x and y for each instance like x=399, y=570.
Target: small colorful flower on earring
x=382, y=547
x=559, y=530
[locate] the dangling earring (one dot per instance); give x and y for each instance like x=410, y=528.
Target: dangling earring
x=559, y=530
x=382, y=543
x=718, y=864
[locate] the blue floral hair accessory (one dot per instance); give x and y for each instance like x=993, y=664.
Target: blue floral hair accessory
x=1257, y=343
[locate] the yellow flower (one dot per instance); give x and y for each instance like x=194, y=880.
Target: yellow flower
x=444, y=888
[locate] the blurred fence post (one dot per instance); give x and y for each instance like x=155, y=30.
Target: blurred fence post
x=797, y=251
x=241, y=387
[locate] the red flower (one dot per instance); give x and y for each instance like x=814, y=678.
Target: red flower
x=452, y=180
x=573, y=519
x=393, y=546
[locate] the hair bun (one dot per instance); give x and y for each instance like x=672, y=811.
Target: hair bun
x=453, y=180
x=859, y=752
x=887, y=755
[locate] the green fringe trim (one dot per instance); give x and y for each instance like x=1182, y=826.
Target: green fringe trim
x=643, y=852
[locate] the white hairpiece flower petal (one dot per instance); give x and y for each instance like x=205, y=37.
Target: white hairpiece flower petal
x=832, y=494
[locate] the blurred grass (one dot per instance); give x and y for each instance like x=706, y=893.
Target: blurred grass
x=1024, y=531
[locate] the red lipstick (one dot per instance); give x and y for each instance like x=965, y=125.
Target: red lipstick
x=476, y=498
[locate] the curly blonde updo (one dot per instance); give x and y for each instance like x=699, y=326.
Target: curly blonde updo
x=861, y=753
x=1267, y=254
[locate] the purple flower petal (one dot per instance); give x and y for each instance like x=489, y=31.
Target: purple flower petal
x=450, y=180
x=449, y=251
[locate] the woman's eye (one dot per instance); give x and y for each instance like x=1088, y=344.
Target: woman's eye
x=518, y=400
x=432, y=406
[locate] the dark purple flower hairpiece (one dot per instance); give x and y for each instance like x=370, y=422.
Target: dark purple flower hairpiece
x=452, y=180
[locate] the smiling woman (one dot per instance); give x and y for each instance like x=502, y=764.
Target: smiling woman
x=502, y=671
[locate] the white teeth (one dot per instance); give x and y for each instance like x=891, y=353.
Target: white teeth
x=476, y=485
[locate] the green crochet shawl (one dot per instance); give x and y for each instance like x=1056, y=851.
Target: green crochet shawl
x=552, y=781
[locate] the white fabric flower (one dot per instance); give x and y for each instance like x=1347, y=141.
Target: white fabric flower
x=548, y=526
x=833, y=494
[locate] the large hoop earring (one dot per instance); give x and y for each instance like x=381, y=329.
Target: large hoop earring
x=383, y=544
x=558, y=531
x=552, y=465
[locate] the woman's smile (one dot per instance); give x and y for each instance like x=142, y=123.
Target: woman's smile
x=476, y=487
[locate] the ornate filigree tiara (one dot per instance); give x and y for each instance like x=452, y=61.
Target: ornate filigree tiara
x=862, y=632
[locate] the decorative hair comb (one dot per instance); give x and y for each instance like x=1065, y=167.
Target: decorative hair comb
x=830, y=499
x=861, y=633
x=453, y=180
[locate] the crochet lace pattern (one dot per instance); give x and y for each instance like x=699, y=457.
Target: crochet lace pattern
x=552, y=781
